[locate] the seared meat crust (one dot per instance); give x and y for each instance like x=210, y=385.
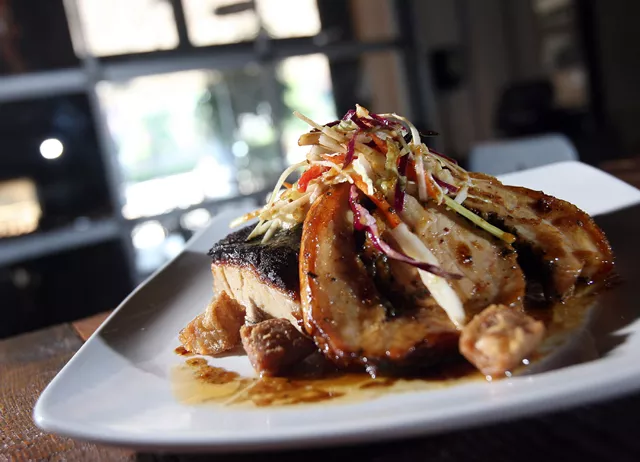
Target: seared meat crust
x=275, y=263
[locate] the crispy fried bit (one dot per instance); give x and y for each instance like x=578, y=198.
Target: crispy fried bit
x=499, y=338
x=275, y=345
x=217, y=329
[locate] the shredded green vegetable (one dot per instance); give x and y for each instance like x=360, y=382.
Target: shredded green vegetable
x=468, y=214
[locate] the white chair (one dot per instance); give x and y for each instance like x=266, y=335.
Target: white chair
x=505, y=156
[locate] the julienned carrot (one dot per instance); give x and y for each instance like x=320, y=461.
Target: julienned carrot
x=382, y=146
x=337, y=159
x=287, y=185
x=378, y=199
x=311, y=174
x=432, y=189
x=411, y=170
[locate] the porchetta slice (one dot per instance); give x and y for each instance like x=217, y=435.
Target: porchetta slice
x=489, y=265
x=557, y=242
x=363, y=309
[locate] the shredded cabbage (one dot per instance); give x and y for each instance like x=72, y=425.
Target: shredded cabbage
x=363, y=168
x=438, y=286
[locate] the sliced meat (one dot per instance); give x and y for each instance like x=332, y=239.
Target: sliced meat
x=489, y=266
x=499, y=338
x=217, y=329
x=261, y=277
x=562, y=237
x=261, y=300
x=353, y=318
x=274, y=346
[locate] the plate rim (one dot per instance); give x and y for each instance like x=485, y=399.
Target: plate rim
x=506, y=408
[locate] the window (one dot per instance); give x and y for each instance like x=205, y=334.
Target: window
x=214, y=22
x=285, y=19
x=561, y=52
x=188, y=137
x=19, y=207
x=116, y=27
x=307, y=88
x=217, y=22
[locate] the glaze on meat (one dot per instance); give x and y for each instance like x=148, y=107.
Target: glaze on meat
x=559, y=243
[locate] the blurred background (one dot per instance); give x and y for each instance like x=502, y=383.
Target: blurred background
x=126, y=125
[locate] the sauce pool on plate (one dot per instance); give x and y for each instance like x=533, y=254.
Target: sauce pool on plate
x=198, y=382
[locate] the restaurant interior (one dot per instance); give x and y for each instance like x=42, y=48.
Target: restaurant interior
x=127, y=125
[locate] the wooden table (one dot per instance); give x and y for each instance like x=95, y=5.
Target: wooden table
x=609, y=431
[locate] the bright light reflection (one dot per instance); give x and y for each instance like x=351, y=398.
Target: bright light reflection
x=240, y=148
x=51, y=148
x=195, y=219
x=148, y=235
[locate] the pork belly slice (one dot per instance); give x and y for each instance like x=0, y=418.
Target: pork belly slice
x=261, y=277
x=558, y=243
x=217, y=329
x=365, y=309
x=499, y=338
x=275, y=346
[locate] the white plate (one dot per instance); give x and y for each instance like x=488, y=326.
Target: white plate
x=117, y=390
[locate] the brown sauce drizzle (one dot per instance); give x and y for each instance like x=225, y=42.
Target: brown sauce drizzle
x=198, y=382
x=182, y=351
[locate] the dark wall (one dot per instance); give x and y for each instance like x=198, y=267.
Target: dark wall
x=34, y=36
x=617, y=55
x=62, y=287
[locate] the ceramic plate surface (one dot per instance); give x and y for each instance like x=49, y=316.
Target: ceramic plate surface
x=117, y=389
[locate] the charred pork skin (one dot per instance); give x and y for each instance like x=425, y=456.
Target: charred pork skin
x=261, y=277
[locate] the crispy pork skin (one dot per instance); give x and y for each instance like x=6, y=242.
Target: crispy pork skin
x=358, y=318
x=261, y=277
x=557, y=242
x=217, y=329
x=499, y=338
x=275, y=346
